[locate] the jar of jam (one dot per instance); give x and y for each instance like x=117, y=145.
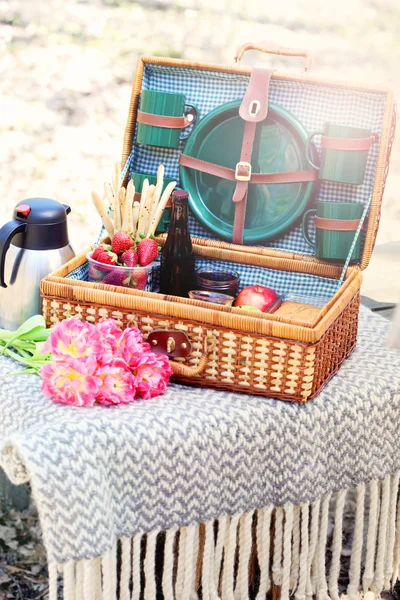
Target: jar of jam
x=224, y=282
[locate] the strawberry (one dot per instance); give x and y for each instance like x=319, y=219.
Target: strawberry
x=121, y=242
x=116, y=278
x=139, y=279
x=108, y=258
x=129, y=258
x=99, y=249
x=147, y=251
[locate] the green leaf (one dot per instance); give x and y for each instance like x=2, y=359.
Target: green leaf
x=28, y=329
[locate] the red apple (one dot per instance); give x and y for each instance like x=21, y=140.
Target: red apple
x=258, y=296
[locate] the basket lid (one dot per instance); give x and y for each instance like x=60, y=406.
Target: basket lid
x=313, y=103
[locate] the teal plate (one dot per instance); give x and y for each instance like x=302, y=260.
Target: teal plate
x=279, y=145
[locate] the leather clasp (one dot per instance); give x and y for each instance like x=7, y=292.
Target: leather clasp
x=254, y=105
x=172, y=343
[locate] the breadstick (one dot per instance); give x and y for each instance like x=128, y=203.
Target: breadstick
x=130, y=193
x=144, y=216
x=160, y=208
x=116, y=177
x=145, y=189
x=99, y=204
x=135, y=218
x=121, y=199
x=117, y=214
x=110, y=199
x=158, y=192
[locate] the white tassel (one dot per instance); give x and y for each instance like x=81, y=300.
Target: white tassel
x=312, y=546
x=263, y=549
x=219, y=551
x=278, y=544
x=371, y=536
x=391, y=532
x=89, y=590
x=301, y=588
x=322, y=586
x=356, y=550
x=79, y=581
x=287, y=552
x=294, y=572
x=245, y=544
x=189, y=577
x=53, y=581
x=136, y=577
x=377, y=584
x=150, y=588
x=97, y=578
x=229, y=560
x=207, y=574
x=126, y=544
x=69, y=580
x=196, y=542
x=337, y=542
x=396, y=553
x=180, y=573
x=168, y=571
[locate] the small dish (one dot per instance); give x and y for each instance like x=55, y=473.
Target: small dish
x=214, y=297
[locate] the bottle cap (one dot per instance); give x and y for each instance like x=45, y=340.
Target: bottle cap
x=180, y=194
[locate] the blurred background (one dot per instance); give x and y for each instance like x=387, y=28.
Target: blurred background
x=66, y=68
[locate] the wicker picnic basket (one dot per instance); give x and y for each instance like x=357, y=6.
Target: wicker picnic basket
x=229, y=348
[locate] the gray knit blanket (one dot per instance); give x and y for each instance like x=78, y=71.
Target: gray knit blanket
x=99, y=474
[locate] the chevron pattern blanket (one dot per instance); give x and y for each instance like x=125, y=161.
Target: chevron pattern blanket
x=215, y=495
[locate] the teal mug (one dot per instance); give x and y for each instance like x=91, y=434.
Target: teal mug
x=335, y=226
x=339, y=164
x=138, y=179
x=154, y=126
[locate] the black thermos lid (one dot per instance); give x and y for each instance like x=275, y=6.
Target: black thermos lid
x=46, y=224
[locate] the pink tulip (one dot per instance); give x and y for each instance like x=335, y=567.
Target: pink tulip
x=153, y=373
x=118, y=385
x=74, y=339
x=71, y=382
x=131, y=346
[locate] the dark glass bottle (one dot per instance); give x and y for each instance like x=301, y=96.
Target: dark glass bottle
x=177, y=275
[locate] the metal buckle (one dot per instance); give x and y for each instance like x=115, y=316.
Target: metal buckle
x=246, y=177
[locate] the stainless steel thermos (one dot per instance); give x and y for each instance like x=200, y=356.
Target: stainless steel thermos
x=32, y=245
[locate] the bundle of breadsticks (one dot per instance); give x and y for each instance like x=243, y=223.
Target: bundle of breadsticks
x=120, y=212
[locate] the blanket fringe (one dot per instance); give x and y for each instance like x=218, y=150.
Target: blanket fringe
x=298, y=551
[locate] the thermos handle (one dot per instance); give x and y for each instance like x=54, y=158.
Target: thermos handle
x=67, y=208
x=7, y=232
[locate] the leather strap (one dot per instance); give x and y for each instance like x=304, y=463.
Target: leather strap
x=253, y=109
x=258, y=178
x=337, y=224
x=162, y=120
x=351, y=144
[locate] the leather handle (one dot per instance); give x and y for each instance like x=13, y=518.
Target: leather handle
x=271, y=48
x=182, y=370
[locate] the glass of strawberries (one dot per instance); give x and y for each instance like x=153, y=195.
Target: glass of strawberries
x=123, y=262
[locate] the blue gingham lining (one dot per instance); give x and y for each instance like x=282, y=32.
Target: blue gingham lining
x=312, y=289
x=312, y=104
